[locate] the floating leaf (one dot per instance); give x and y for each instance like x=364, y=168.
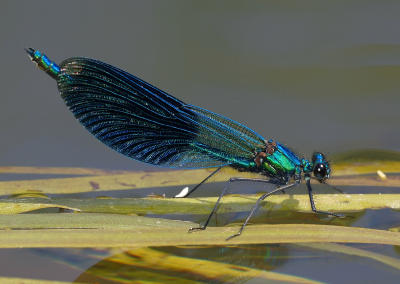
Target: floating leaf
x=105, y=182
x=16, y=207
x=204, y=205
x=353, y=168
x=84, y=221
x=138, y=180
x=392, y=181
x=110, y=230
x=366, y=162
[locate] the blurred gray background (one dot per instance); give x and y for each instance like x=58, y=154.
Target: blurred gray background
x=315, y=75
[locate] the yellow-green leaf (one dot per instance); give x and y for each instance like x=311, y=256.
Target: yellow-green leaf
x=26, y=206
x=105, y=182
x=367, y=161
x=108, y=230
x=204, y=205
x=139, y=180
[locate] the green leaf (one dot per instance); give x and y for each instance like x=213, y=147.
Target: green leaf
x=140, y=180
x=365, y=162
x=204, y=205
x=27, y=206
x=109, y=230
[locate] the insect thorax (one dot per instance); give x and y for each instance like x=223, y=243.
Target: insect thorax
x=277, y=161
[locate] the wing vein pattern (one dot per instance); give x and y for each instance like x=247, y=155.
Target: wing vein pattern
x=147, y=124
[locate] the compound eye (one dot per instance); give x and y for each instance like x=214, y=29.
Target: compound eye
x=320, y=171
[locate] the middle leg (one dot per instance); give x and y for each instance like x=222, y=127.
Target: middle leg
x=255, y=207
x=226, y=188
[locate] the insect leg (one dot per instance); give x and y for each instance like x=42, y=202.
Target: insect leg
x=220, y=197
x=313, y=208
x=255, y=207
x=213, y=211
x=184, y=194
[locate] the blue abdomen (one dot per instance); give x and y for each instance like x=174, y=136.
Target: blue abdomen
x=44, y=63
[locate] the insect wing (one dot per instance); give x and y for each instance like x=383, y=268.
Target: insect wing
x=234, y=140
x=147, y=124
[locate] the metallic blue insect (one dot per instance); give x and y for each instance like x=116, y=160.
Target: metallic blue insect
x=147, y=124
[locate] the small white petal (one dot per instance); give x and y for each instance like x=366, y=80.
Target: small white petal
x=183, y=193
x=381, y=175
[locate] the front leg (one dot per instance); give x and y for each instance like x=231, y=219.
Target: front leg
x=313, y=208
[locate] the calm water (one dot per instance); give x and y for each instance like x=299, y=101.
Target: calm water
x=307, y=262
x=317, y=76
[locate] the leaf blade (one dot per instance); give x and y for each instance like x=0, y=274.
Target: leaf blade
x=137, y=233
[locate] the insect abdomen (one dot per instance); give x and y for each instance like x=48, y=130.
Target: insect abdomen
x=44, y=63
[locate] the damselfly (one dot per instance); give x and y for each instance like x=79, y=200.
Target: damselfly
x=147, y=124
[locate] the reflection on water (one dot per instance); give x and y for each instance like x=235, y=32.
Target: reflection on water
x=204, y=264
x=247, y=263
x=277, y=263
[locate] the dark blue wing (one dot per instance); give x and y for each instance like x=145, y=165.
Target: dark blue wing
x=147, y=124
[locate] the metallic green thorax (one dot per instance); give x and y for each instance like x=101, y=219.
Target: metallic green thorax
x=280, y=162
